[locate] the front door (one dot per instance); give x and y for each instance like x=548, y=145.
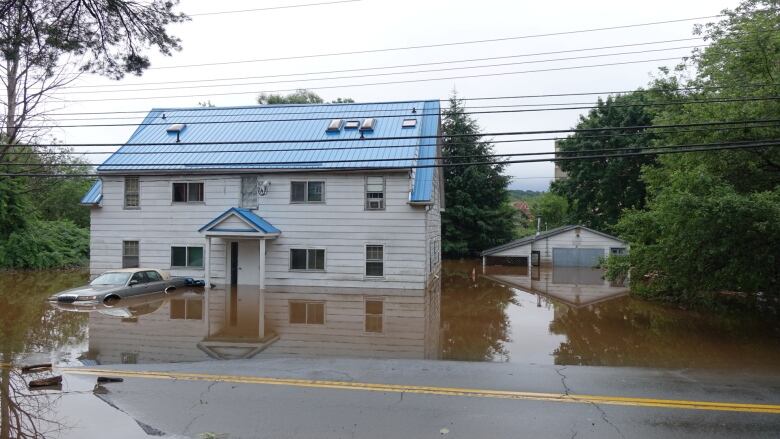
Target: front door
x=244, y=298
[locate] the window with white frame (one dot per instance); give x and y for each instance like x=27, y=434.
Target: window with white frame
x=375, y=260
x=130, y=250
x=374, y=315
x=189, y=192
x=307, y=191
x=311, y=259
x=375, y=193
x=617, y=251
x=307, y=313
x=186, y=257
x=132, y=193
x=249, y=191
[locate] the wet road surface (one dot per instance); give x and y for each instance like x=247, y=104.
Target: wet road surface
x=390, y=398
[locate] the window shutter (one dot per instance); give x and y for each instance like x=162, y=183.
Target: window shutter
x=249, y=191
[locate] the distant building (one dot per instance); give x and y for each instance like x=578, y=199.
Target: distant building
x=559, y=173
x=522, y=206
x=566, y=246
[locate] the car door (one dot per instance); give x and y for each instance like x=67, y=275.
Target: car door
x=137, y=284
x=154, y=282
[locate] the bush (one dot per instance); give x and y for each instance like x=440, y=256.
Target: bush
x=616, y=268
x=46, y=244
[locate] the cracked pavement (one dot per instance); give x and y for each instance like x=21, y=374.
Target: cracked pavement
x=178, y=407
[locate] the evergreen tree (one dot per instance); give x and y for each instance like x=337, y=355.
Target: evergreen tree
x=478, y=214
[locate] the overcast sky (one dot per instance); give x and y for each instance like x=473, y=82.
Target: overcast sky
x=375, y=24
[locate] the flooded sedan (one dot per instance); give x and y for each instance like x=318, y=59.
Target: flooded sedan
x=119, y=284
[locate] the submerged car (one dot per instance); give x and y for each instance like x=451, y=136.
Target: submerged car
x=119, y=284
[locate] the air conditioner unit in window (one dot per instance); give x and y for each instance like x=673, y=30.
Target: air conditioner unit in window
x=374, y=204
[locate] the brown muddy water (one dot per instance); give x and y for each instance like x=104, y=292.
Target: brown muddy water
x=545, y=317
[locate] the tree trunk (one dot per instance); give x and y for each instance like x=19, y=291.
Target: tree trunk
x=5, y=395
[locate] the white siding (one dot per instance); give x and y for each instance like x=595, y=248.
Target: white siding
x=341, y=225
x=433, y=228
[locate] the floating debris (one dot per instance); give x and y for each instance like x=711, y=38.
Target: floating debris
x=110, y=380
x=36, y=368
x=50, y=382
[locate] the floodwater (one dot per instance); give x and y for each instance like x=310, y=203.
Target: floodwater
x=564, y=317
x=545, y=316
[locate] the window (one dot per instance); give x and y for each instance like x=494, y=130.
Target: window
x=307, y=191
x=138, y=278
x=249, y=191
x=352, y=125
x=307, y=259
x=617, y=250
x=153, y=276
x=187, y=309
x=187, y=257
x=374, y=312
x=130, y=254
x=375, y=260
x=132, y=190
x=307, y=313
x=409, y=123
x=188, y=192
x=375, y=193
x=128, y=358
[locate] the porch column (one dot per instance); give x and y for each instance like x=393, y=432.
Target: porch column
x=207, y=263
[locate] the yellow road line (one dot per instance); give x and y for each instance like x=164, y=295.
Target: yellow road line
x=443, y=391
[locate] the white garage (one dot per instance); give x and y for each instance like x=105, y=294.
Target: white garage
x=566, y=246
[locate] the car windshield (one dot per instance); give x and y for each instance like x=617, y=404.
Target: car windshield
x=111, y=278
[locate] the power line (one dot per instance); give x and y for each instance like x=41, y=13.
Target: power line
x=368, y=139
x=405, y=113
x=449, y=44
x=548, y=95
x=371, y=84
x=369, y=147
x=747, y=143
x=443, y=165
x=112, y=90
x=241, y=11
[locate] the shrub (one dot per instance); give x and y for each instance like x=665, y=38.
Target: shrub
x=46, y=244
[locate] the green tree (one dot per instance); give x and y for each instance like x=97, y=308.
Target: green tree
x=551, y=208
x=478, y=214
x=712, y=220
x=301, y=96
x=14, y=206
x=45, y=43
x=599, y=190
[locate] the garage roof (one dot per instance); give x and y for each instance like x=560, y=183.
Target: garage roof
x=547, y=234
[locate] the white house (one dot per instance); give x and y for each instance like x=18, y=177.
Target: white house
x=287, y=199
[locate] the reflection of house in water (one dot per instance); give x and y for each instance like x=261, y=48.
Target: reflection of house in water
x=228, y=324
x=577, y=286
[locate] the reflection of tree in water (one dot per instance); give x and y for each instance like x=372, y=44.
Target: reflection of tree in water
x=630, y=332
x=25, y=414
x=473, y=313
x=28, y=324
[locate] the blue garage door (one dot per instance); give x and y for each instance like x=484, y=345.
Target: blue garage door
x=577, y=257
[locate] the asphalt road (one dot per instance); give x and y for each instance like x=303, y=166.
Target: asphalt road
x=340, y=398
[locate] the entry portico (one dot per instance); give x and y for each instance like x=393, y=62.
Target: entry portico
x=246, y=234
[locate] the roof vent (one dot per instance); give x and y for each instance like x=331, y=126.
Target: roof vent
x=368, y=124
x=409, y=123
x=414, y=110
x=352, y=125
x=334, y=126
x=176, y=128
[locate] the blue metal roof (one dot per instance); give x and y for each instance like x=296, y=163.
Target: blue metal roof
x=94, y=195
x=299, y=130
x=422, y=190
x=245, y=214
